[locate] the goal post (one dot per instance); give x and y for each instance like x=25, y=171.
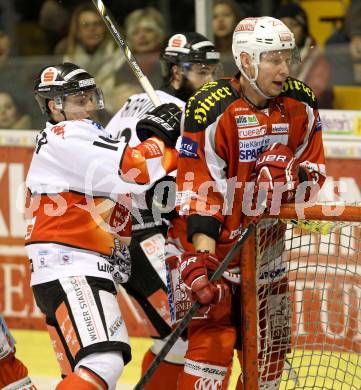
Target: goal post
x=301, y=300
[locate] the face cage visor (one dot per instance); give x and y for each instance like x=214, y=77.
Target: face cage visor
x=277, y=57
x=202, y=71
x=80, y=101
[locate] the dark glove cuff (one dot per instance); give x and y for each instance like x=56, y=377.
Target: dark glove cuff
x=302, y=175
x=146, y=129
x=209, y=226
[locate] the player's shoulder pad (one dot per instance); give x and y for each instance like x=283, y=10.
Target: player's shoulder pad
x=206, y=104
x=298, y=90
x=77, y=129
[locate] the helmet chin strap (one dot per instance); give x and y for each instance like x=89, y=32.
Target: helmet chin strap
x=63, y=113
x=253, y=82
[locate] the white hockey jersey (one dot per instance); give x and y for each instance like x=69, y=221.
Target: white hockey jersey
x=76, y=166
x=136, y=107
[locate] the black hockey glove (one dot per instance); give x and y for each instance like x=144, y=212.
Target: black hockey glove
x=163, y=121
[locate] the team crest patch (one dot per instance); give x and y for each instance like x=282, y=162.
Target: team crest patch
x=49, y=74
x=178, y=40
x=43, y=258
x=65, y=257
x=59, y=130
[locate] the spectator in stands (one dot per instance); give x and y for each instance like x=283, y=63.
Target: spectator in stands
x=353, y=28
x=54, y=17
x=145, y=32
x=16, y=76
x=226, y=14
x=4, y=47
x=343, y=48
x=10, y=115
x=90, y=46
x=313, y=69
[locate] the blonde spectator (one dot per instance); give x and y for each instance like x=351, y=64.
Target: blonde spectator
x=90, y=46
x=145, y=32
x=10, y=116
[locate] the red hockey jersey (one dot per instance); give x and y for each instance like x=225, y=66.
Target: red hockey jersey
x=223, y=136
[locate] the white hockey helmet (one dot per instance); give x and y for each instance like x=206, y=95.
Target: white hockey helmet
x=258, y=35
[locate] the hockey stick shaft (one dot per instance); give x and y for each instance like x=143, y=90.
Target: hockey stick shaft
x=194, y=308
x=114, y=29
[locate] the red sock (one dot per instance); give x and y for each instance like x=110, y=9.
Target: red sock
x=82, y=379
x=164, y=377
x=11, y=370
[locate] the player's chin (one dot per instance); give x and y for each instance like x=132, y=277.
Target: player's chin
x=276, y=88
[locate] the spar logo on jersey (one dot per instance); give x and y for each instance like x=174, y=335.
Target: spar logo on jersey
x=250, y=149
x=189, y=148
x=246, y=120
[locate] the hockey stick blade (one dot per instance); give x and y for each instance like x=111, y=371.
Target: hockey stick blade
x=194, y=308
x=114, y=30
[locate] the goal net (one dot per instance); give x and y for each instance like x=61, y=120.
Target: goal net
x=306, y=331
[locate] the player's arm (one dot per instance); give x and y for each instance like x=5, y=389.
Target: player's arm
x=310, y=153
x=201, y=182
x=155, y=157
x=202, y=242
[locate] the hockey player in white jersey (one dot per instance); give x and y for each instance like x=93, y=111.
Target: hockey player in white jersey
x=188, y=61
x=79, y=180
x=13, y=373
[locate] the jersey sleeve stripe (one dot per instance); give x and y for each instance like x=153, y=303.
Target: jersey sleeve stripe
x=216, y=164
x=311, y=120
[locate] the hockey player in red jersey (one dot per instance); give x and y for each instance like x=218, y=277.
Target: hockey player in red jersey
x=262, y=127
x=79, y=221
x=188, y=61
x=13, y=373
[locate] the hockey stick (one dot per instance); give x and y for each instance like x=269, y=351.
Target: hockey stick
x=114, y=29
x=194, y=308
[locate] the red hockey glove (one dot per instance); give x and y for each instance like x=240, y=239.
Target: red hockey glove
x=277, y=164
x=194, y=268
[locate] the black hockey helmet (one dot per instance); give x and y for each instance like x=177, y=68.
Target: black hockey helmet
x=187, y=47
x=56, y=82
